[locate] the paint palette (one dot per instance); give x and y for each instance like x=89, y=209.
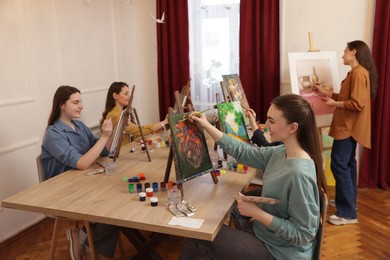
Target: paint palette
x=261, y=200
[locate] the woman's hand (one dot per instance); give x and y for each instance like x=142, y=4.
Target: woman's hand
x=319, y=89
x=251, y=115
x=165, y=121
x=246, y=208
x=250, y=209
x=128, y=120
x=107, y=128
x=199, y=119
x=330, y=102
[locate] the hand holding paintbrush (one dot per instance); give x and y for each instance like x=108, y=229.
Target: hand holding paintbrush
x=195, y=113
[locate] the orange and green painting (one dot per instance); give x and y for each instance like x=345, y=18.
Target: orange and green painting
x=190, y=146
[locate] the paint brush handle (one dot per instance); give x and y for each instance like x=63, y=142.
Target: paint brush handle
x=196, y=113
x=246, y=109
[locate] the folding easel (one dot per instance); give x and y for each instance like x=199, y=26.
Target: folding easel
x=130, y=111
x=172, y=155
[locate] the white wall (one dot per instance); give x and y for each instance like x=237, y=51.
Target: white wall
x=333, y=24
x=47, y=43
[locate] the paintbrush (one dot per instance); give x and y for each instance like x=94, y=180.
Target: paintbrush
x=246, y=109
x=195, y=114
x=322, y=82
x=166, y=132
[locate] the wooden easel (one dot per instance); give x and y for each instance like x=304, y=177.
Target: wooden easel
x=225, y=92
x=218, y=123
x=172, y=155
x=133, y=113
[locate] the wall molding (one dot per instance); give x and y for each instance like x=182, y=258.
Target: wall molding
x=18, y=146
x=25, y=44
x=16, y=101
x=94, y=90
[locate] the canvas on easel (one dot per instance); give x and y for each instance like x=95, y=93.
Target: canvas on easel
x=190, y=146
x=119, y=130
x=309, y=68
x=183, y=156
x=234, y=90
x=232, y=120
x=118, y=134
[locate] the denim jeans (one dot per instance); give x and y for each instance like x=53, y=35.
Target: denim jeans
x=343, y=166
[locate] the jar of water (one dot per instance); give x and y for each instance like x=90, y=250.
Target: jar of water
x=174, y=196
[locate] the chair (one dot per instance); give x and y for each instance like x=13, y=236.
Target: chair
x=42, y=177
x=320, y=232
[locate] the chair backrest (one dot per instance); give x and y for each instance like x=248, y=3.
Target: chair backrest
x=41, y=171
x=320, y=232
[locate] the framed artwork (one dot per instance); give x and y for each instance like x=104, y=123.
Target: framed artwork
x=308, y=68
x=232, y=120
x=190, y=148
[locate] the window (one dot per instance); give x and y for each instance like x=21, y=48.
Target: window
x=214, y=47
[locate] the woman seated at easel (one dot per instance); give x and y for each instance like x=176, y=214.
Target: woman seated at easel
x=118, y=98
x=293, y=174
x=69, y=144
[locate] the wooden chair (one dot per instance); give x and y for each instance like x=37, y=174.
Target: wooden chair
x=42, y=177
x=320, y=232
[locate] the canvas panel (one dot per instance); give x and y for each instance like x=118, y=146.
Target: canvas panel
x=190, y=148
x=232, y=120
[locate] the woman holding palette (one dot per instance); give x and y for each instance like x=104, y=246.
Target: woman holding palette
x=293, y=175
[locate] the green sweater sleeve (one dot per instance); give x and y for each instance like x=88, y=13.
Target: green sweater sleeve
x=243, y=152
x=292, y=232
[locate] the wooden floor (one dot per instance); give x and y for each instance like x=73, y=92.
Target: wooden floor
x=370, y=239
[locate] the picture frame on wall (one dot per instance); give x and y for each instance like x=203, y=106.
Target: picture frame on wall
x=309, y=68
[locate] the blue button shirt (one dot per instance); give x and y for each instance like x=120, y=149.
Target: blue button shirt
x=62, y=146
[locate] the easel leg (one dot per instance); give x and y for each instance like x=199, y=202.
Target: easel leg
x=214, y=177
x=134, y=112
x=169, y=164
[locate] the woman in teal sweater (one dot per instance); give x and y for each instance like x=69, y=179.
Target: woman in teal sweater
x=293, y=174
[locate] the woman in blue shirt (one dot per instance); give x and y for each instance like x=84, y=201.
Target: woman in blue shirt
x=293, y=174
x=70, y=144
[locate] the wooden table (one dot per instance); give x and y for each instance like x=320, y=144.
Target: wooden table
x=105, y=199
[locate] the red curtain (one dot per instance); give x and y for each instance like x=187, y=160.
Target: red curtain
x=172, y=51
x=375, y=171
x=259, y=53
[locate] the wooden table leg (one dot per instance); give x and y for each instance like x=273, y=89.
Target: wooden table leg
x=145, y=246
x=90, y=240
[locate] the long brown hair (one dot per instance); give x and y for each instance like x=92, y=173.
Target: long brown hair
x=62, y=94
x=116, y=87
x=297, y=109
x=364, y=57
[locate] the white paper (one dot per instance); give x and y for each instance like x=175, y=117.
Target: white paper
x=186, y=222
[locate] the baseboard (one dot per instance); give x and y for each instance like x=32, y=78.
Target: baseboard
x=28, y=228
